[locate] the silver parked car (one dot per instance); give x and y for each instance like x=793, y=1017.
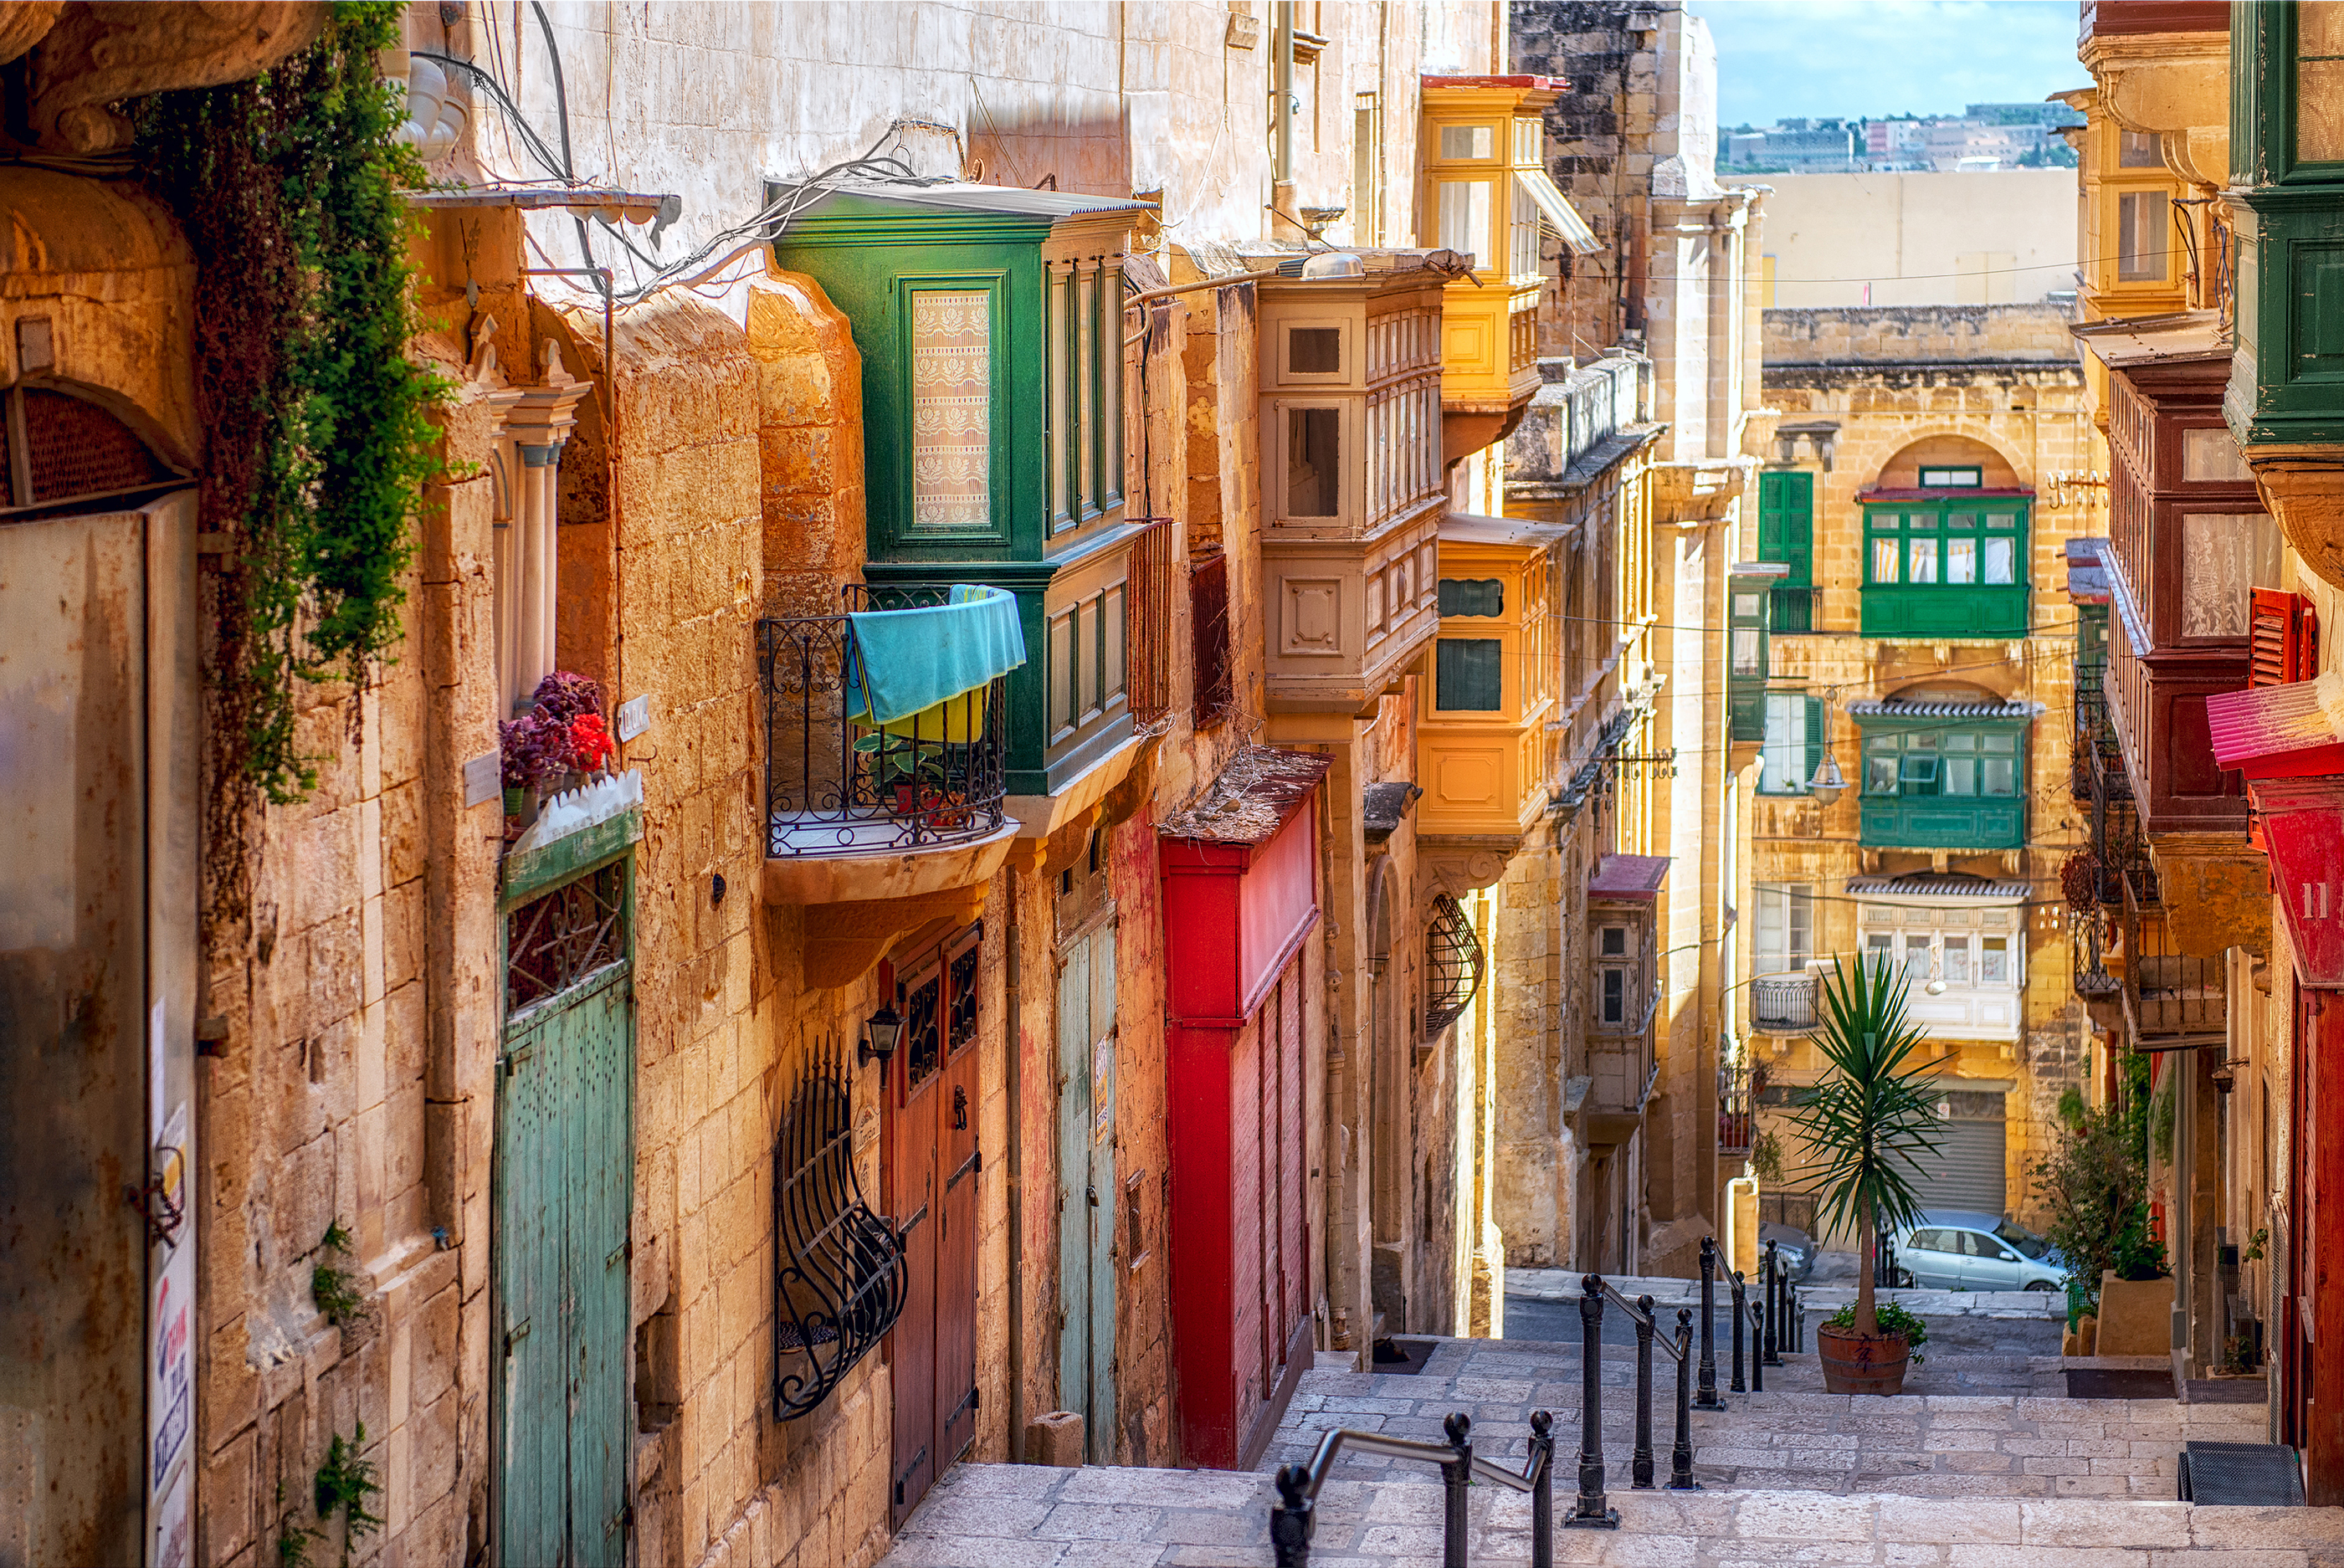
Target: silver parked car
x=1959, y=1250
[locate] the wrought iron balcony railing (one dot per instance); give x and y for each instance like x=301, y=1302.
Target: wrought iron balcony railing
x=1735, y=1106
x=1784, y=1003
x=841, y=785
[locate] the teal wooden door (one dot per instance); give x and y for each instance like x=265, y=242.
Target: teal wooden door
x=1786, y=534
x=1087, y=1203
x=563, y=1186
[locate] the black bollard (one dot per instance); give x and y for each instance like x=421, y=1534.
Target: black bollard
x=1706, y=1397
x=1542, y=1491
x=1455, y=1477
x=1757, y=1361
x=1640, y=1469
x=1795, y=1318
x=1290, y=1520
x=1681, y=1457
x=1590, y=1513
x=1741, y=1315
x=1771, y=1283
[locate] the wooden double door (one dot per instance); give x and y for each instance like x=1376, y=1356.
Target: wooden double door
x=1087, y=1190
x=932, y=1162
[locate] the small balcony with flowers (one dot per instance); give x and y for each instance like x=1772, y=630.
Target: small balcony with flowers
x=887, y=748
x=1488, y=197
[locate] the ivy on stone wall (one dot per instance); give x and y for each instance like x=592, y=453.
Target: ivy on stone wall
x=318, y=434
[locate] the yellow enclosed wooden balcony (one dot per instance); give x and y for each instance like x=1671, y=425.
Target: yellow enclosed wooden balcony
x=1486, y=196
x=1481, y=740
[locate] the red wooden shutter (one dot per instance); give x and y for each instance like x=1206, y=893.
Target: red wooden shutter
x=2282, y=639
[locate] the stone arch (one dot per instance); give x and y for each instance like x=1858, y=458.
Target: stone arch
x=98, y=298
x=2002, y=467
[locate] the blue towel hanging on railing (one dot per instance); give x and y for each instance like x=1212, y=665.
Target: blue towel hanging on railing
x=907, y=662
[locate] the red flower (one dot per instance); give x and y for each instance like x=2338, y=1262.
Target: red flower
x=590, y=742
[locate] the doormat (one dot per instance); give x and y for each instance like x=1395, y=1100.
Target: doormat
x=2118, y=1384
x=2262, y=1475
x=2226, y=1391
x=1399, y=1358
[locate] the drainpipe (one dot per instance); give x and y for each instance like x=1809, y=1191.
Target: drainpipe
x=1283, y=223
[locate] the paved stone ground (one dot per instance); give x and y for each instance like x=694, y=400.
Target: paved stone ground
x=1028, y=1516
x=1979, y=1422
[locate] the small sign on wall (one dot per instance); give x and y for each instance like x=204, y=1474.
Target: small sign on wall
x=634, y=716
x=483, y=779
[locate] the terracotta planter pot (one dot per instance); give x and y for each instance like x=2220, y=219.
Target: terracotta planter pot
x=1854, y=1365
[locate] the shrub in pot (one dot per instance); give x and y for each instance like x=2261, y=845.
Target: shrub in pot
x=1871, y=1118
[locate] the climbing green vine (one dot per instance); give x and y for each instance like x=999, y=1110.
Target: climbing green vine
x=319, y=439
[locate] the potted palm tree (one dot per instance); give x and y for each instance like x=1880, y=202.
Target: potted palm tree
x=1872, y=1114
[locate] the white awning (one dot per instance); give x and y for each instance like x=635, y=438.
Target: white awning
x=1560, y=217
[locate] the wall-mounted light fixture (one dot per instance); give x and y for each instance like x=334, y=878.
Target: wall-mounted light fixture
x=881, y=1031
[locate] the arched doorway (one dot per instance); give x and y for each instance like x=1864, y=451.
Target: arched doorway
x=1389, y=1113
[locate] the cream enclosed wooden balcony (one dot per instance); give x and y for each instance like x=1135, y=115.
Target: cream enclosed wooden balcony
x=1487, y=197
x=1482, y=737
x=1352, y=479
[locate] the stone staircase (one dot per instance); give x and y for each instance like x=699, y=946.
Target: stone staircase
x=1983, y=1464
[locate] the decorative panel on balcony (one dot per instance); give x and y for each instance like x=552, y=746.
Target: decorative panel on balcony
x=1352, y=480
x=990, y=321
x=1944, y=774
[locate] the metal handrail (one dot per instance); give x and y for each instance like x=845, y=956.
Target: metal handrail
x=1293, y=1518
x=1642, y=1318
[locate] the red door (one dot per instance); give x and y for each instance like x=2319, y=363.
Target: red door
x=932, y=1163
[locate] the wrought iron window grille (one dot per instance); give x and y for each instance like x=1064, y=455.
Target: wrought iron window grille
x=554, y=941
x=1452, y=958
x=837, y=786
x=839, y=1274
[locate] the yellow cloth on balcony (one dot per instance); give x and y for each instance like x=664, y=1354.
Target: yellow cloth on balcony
x=959, y=719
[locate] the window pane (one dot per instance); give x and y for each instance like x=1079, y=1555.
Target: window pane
x=1961, y=776
x=2002, y=520
x=1957, y=960
x=1965, y=520
x=2140, y=237
x=1746, y=660
x=1745, y=606
x=1465, y=216
x=1883, y=560
x=1884, y=520
x=1878, y=943
x=1615, y=941
x=2224, y=557
x=1923, y=563
x=1523, y=226
x=2001, y=776
x=1786, y=744
x=1468, y=675
x=1927, y=519
x=1062, y=419
x=1110, y=383
x=2005, y=744
x=1920, y=776
x=1314, y=350
x=2212, y=457
x=1880, y=773
x=1526, y=140
x=1472, y=596
x=1616, y=996
x=1086, y=398
x=1313, y=481
x=952, y=409
x=2000, y=558
x=1916, y=957
x=1467, y=141
x=2318, y=107
x=1961, y=743
x=2139, y=149
x=1994, y=960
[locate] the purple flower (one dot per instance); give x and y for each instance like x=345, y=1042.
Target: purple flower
x=563, y=696
x=532, y=748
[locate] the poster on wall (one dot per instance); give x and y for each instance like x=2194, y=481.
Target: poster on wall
x=171, y=1355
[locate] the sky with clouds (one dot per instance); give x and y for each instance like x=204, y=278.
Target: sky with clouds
x=1783, y=58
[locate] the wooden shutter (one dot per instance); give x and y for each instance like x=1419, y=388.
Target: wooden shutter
x=1208, y=626
x=1815, y=739
x=2282, y=639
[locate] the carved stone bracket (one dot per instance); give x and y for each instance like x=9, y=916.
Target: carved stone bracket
x=95, y=55
x=2176, y=85
x=2304, y=489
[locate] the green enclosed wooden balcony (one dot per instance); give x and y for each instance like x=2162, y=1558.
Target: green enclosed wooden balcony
x=1945, y=562
x=1944, y=775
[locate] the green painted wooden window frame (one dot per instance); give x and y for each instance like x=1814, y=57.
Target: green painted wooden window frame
x=996, y=283
x=1929, y=785
x=1787, y=533
x=1773, y=781
x=1938, y=607
x=1470, y=675
x=2265, y=100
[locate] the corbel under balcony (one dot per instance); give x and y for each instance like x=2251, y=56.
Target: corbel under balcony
x=2176, y=85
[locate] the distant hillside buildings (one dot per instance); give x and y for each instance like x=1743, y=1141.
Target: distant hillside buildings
x=1984, y=137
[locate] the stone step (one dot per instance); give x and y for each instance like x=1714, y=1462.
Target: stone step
x=2010, y=1444
x=1029, y=1517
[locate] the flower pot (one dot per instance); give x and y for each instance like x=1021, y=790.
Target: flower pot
x=1855, y=1365
x=514, y=795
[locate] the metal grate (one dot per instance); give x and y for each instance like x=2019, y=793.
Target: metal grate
x=553, y=942
x=73, y=447
x=839, y=1274
x=2253, y=1475
x=1148, y=613
x=1208, y=626
x=1452, y=960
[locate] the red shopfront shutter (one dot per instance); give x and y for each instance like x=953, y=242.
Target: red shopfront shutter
x=2282, y=639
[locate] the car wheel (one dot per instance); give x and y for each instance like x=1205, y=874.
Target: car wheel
x=2042, y=1285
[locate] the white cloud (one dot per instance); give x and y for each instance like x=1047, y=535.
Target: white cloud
x=1778, y=58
